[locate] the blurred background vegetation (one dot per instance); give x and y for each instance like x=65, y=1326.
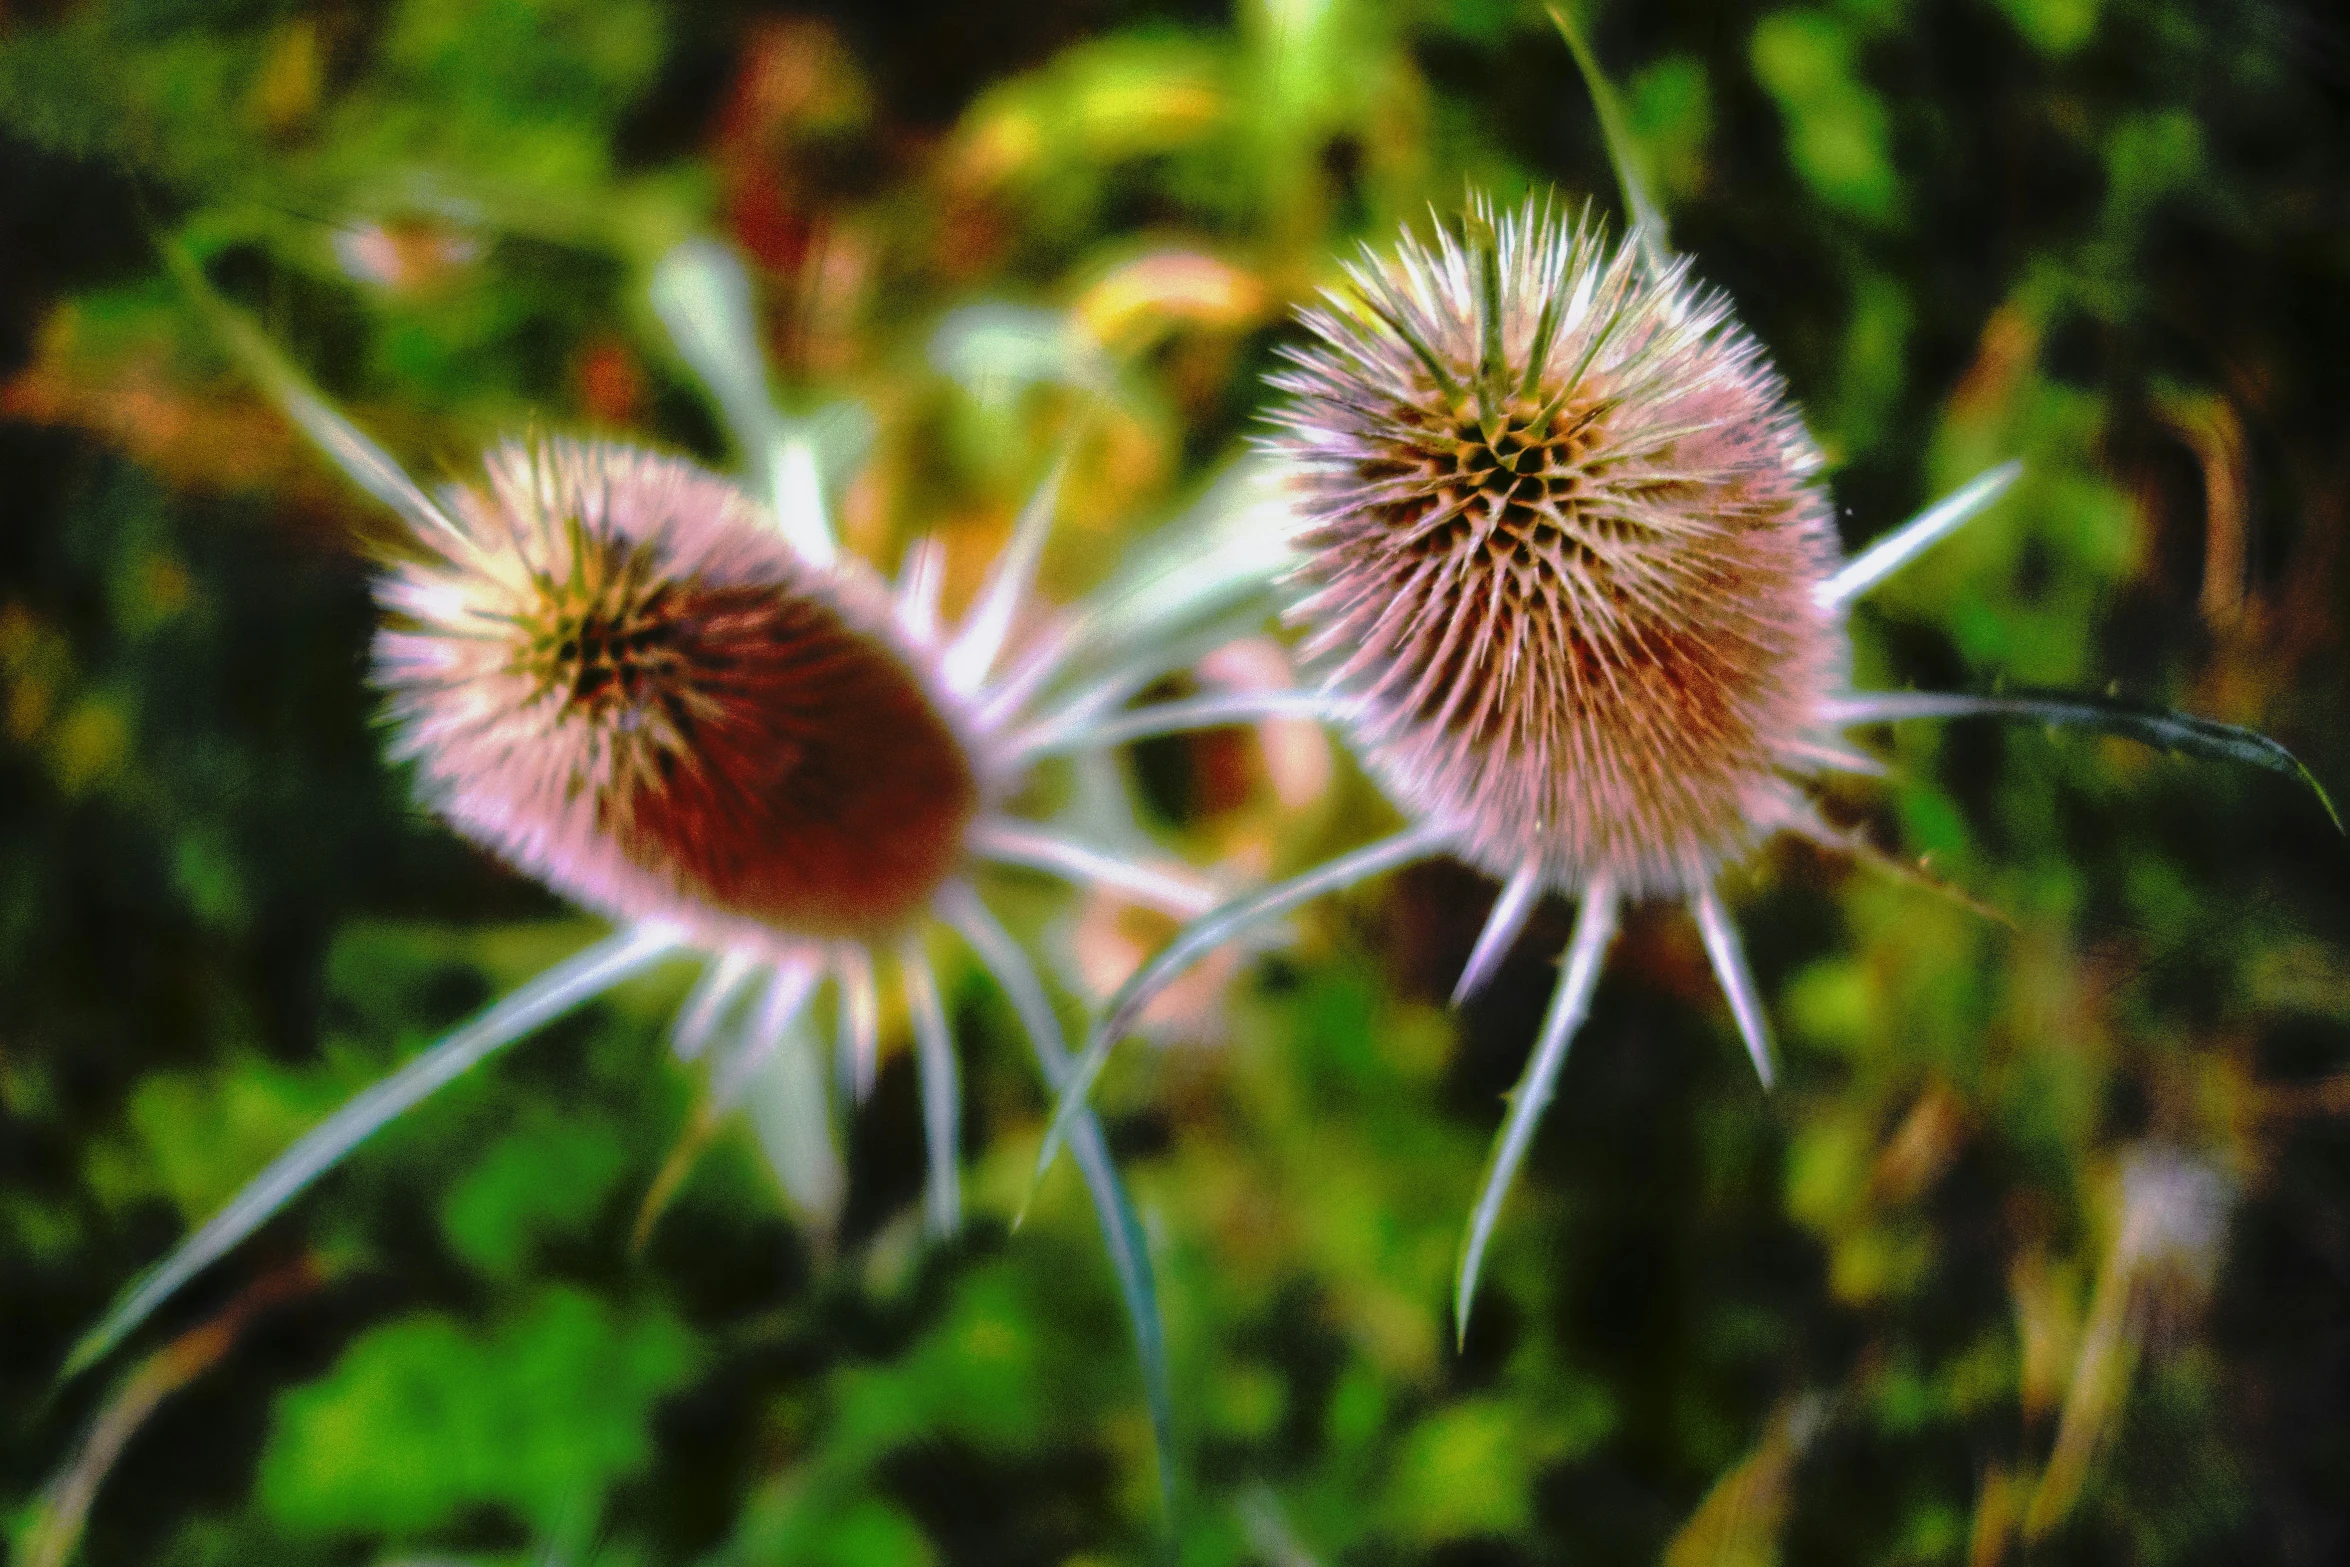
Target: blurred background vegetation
x=2040, y=1253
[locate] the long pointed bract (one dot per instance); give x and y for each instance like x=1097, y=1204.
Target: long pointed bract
x=2164, y=728
x=365, y=463
x=1737, y=980
x=1517, y=901
x=711, y=999
x=799, y=497
x=790, y=1108
x=1928, y=528
x=1219, y=711
x=1164, y=887
x=1121, y=1231
x=921, y=579
x=1105, y=686
x=787, y=994
x=1230, y=545
x=942, y=1090
x=543, y=999
x=1646, y=218
x=703, y=296
x=1595, y=926
x=1211, y=931
x=860, y=1021
x=973, y=652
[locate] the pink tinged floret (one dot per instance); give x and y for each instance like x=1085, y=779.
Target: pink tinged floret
x=626, y=683
x=1563, y=544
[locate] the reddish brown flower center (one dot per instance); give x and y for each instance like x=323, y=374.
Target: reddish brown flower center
x=751, y=745
x=623, y=679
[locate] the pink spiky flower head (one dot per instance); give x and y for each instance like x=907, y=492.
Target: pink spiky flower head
x=620, y=677
x=1564, y=542
x=1571, y=571
x=694, y=713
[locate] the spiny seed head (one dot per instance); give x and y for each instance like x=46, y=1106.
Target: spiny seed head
x=623, y=680
x=1562, y=536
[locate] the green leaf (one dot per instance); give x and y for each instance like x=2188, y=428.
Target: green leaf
x=425, y=1416
x=1468, y=1469
x=1839, y=136
x=547, y=1181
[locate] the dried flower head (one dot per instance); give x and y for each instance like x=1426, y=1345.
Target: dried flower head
x=620, y=677
x=1564, y=542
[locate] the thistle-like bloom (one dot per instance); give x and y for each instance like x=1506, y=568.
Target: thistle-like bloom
x=688, y=711
x=1570, y=575
x=1564, y=545
x=621, y=678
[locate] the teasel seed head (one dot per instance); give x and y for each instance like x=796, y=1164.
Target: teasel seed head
x=1562, y=542
x=622, y=679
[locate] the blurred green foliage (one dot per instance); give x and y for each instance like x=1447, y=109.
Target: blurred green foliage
x=2042, y=1250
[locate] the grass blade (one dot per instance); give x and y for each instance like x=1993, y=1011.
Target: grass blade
x=52, y=1531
